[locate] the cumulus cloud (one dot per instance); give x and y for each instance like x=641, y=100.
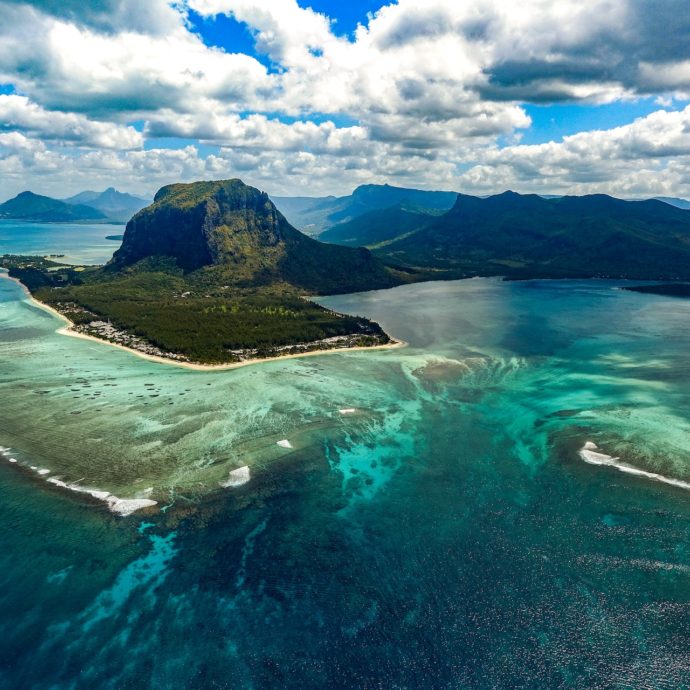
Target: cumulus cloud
x=290, y=35
x=18, y=113
x=650, y=156
x=422, y=93
x=124, y=74
x=258, y=132
x=153, y=16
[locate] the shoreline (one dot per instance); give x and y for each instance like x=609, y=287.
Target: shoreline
x=67, y=330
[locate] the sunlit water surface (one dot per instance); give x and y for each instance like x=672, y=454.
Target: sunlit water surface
x=447, y=534
x=75, y=243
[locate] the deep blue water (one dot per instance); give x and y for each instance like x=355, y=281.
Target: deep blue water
x=446, y=535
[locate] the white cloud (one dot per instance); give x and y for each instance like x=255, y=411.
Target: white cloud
x=19, y=113
x=258, y=132
x=290, y=35
x=126, y=74
x=650, y=156
x=422, y=93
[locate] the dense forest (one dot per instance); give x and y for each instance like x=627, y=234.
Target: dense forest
x=183, y=315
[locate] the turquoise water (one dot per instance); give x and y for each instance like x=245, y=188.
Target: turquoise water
x=447, y=534
x=80, y=243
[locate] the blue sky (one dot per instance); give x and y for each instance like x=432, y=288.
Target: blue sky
x=317, y=97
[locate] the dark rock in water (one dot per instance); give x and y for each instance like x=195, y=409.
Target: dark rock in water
x=665, y=289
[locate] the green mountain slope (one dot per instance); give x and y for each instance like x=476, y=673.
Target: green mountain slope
x=313, y=216
x=373, y=228
x=30, y=206
x=529, y=236
x=235, y=233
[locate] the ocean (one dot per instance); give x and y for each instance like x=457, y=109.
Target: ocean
x=79, y=243
x=433, y=520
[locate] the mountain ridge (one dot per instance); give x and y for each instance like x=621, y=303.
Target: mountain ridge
x=115, y=205
x=314, y=215
x=234, y=229
x=529, y=236
x=36, y=207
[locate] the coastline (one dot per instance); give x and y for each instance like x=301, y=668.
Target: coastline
x=67, y=330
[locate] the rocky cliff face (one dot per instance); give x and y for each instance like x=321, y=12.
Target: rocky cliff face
x=236, y=230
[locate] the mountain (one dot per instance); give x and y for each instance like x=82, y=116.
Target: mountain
x=292, y=207
x=212, y=272
x=529, y=236
x=678, y=203
x=115, y=205
x=314, y=215
x=375, y=228
x=82, y=198
x=236, y=232
x=30, y=206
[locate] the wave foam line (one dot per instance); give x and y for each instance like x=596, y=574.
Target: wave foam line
x=5, y=453
x=119, y=506
x=590, y=455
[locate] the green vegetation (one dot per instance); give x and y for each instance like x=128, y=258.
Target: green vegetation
x=177, y=313
x=527, y=236
x=315, y=215
x=212, y=272
x=377, y=228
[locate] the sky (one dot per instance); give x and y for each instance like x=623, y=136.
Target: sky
x=314, y=98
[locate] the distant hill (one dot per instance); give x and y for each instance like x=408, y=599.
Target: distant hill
x=314, y=215
x=29, y=206
x=292, y=207
x=678, y=203
x=113, y=204
x=529, y=236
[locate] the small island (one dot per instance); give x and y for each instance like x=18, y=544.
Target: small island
x=212, y=274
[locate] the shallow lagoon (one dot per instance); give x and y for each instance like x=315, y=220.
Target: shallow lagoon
x=446, y=534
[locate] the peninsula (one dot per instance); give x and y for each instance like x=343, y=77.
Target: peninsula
x=212, y=273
